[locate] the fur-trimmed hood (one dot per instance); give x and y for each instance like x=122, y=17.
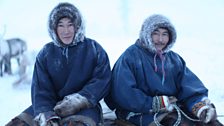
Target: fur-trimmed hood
x=152, y=23
x=70, y=11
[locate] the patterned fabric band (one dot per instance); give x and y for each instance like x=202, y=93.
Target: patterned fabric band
x=197, y=106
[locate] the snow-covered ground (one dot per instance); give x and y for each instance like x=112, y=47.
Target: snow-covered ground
x=115, y=25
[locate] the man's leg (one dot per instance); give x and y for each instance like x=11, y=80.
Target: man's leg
x=22, y=119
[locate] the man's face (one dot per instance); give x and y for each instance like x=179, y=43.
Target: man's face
x=160, y=38
x=65, y=30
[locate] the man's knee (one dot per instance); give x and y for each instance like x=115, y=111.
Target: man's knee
x=77, y=120
x=23, y=119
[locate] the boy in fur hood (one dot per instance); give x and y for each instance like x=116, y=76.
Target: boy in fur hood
x=71, y=75
x=148, y=78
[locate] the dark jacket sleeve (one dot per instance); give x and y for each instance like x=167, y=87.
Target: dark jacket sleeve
x=42, y=90
x=99, y=84
x=125, y=91
x=191, y=88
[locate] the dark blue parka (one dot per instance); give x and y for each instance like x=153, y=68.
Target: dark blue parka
x=85, y=70
x=81, y=67
x=135, y=81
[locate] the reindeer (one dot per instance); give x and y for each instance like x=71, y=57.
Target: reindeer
x=11, y=48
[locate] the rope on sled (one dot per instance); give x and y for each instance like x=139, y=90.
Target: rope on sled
x=179, y=111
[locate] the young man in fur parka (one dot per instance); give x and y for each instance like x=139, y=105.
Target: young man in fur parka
x=148, y=78
x=71, y=75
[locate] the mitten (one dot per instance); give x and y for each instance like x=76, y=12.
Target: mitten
x=47, y=119
x=161, y=104
x=71, y=104
x=205, y=111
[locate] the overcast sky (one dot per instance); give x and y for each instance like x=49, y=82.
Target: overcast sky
x=114, y=18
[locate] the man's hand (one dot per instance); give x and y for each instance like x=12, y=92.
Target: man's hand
x=161, y=104
x=71, y=104
x=205, y=111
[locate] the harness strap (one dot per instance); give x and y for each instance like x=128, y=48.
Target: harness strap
x=179, y=112
x=159, y=118
x=10, y=48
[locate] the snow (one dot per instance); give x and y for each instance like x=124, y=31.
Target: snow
x=115, y=25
